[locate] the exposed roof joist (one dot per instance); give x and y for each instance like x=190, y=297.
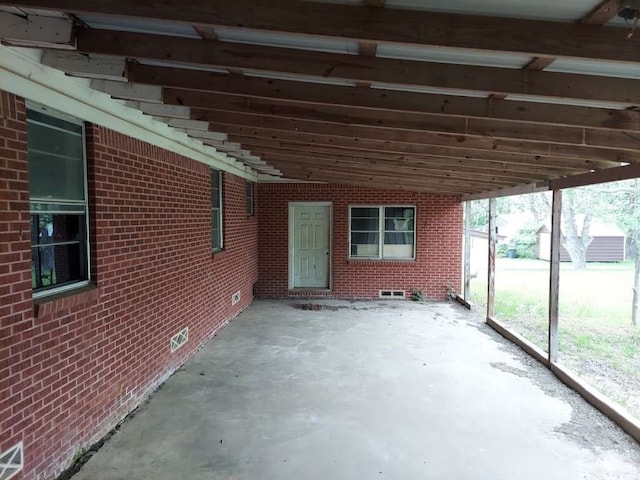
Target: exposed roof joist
x=357, y=68
x=303, y=111
x=532, y=37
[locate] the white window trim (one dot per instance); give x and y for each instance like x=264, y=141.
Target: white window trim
x=67, y=118
x=381, y=220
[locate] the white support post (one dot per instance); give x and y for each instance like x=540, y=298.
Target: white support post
x=554, y=275
x=491, y=267
x=467, y=252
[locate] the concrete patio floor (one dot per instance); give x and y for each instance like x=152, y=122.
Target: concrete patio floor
x=364, y=390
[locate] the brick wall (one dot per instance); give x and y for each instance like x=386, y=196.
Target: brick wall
x=438, y=241
x=70, y=369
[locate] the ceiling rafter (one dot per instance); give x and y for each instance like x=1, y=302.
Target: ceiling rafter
x=356, y=136
x=105, y=67
x=494, y=34
x=380, y=135
x=408, y=73
x=425, y=123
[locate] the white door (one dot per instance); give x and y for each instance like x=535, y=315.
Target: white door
x=309, y=245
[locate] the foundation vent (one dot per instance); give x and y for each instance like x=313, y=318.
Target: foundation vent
x=396, y=294
x=179, y=339
x=235, y=298
x=11, y=462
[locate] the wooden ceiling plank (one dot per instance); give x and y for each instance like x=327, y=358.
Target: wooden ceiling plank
x=394, y=168
x=265, y=111
x=247, y=90
x=36, y=31
x=602, y=157
x=382, y=149
x=409, y=180
x=410, y=136
x=380, y=184
x=339, y=66
x=468, y=164
x=376, y=25
x=94, y=66
x=403, y=177
x=416, y=122
x=603, y=13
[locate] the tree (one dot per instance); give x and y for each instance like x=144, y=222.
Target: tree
x=576, y=209
x=623, y=204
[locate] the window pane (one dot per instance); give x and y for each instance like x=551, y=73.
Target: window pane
x=250, y=198
x=48, y=229
x=399, y=232
x=216, y=209
x=56, y=163
x=365, y=244
x=360, y=212
x=365, y=224
x=58, y=250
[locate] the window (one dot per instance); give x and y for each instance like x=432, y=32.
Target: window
x=216, y=210
x=249, y=198
x=58, y=201
x=382, y=232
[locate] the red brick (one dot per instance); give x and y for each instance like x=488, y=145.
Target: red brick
x=151, y=256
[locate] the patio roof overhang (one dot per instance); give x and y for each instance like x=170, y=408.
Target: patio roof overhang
x=452, y=98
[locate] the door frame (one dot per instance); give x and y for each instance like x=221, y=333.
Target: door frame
x=291, y=207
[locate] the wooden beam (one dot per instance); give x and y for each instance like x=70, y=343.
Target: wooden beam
x=389, y=150
x=554, y=274
x=207, y=135
x=508, y=192
x=603, y=13
x=491, y=262
x=191, y=125
x=284, y=129
x=91, y=66
x=129, y=91
x=515, y=171
x=377, y=25
x=406, y=73
x=161, y=110
x=36, y=31
x=376, y=180
x=301, y=94
x=589, y=158
x=361, y=181
x=602, y=176
x=539, y=63
x=263, y=109
x=394, y=169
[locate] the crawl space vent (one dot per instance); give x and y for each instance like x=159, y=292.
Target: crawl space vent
x=11, y=462
x=397, y=294
x=179, y=339
x=235, y=298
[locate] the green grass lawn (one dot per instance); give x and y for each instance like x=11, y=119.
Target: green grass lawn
x=595, y=334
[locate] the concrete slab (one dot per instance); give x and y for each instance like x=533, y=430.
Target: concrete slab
x=364, y=390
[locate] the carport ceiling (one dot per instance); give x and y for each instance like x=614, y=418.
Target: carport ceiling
x=456, y=97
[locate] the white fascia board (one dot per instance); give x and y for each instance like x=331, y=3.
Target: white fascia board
x=94, y=66
x=36, y=31
x=23, y=75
